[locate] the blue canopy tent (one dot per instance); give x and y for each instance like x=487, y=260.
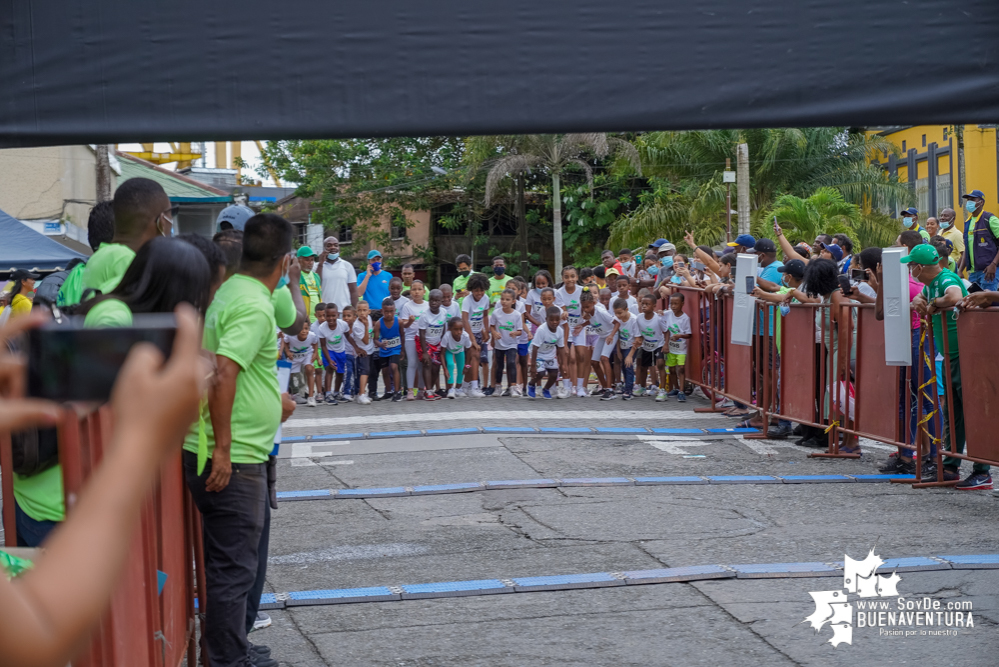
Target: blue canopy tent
x=23, y=248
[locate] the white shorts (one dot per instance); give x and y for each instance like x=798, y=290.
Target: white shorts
x=580, y=338
x=603, y=349
x=544, y=365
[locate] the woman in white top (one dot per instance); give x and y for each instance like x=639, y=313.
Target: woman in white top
x=409, y=320
x=567, y=298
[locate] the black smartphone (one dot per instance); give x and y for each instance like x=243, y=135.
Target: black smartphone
x=858, y=274
x=67, y=362
x=844, y=284
x=975, y=287
x=750, y=284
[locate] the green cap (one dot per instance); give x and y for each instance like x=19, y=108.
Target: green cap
x=306, y=251
x=922, y=254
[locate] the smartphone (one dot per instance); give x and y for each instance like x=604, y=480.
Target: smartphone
x=750, y=284
x=698, y=266
x=975, y=287
x=67, y=362
x=844, y=284
x=858, y=275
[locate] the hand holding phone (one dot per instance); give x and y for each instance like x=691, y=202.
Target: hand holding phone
x=750, y=284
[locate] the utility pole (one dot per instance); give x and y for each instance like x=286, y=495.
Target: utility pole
x=728, y=176
x=103, y=166
x=959, y=131
x=557, y=222
x=742, y=185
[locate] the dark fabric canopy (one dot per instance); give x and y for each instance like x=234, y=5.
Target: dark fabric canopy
x=122, y=71
x=23, y=248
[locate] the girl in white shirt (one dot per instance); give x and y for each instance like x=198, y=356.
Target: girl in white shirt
x=567, y=298
x=363, y=336
x=455, y=342
x=506, y=324
x=409, y=319
x=597, y=321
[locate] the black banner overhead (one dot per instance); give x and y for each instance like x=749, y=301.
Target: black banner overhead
x=124, y=71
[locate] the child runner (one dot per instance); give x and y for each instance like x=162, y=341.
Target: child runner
x=567, y=298
x=650, y=327
x=582, y=346
x=586, y=277
x=677, y=326
x=535, y=312
x=389, y=341
x=626, y=330
x=627, y=263
x=300, y=350
x=449, y=303
x=410, y=316
x=350, y=372
x=363, y=335
x=506, y=324
x=320, y=360
x=428, y=345
x=474, y=312
x=332, y=342
x=624, y=292
x=546, y=352
x=524, y=342
x=597, y=322
x=455, y=342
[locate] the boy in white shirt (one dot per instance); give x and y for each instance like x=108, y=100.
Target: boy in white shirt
x=624, y=292
x=300, y=350
x=332, y=341
x=629, y=339
x=474, y=313
x=448, y=303
x=597, y=323
x=350, y=372
x=506, y=324
x=454, y=343
x=676, y=324
x=428, y=344
x=319, y=360
x=547, y=351
x=362, y=335
x=650, y=326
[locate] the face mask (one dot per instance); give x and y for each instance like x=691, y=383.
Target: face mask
x=464, y=274
x=499, y=270
x=653, y=270
x=667, y=262
x=332, y=257
x=376, y=266
x=284, y=278
x=784, y=309
x=970, y=206
x=628, y=265
x=908, y=222
x=946, y=224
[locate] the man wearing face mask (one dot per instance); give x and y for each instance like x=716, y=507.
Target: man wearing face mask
x=374, y=285
x=142, y=211
x=981, y=242
x=339, y=279
x=949, y=231
x=910, y=220
x=464, y=264
x=666, y=253
x=499, y=279
x=308, y=283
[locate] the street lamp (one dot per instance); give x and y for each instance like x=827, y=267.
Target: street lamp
x=728, y=178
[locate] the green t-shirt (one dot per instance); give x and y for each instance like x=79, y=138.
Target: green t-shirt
x=106, y=267
x=240, y=325
x=284, y=307
x=312, y=293
x=108, y=313
x=934, y=290
x=72, y=287
x=496, y=287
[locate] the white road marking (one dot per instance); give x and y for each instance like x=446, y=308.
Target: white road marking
x=499, y=417
x=301, y=450
x=336, y=463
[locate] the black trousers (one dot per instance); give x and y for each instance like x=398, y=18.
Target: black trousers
x=510, y=357
x=232, y=523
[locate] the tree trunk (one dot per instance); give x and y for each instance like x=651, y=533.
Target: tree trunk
x=959, y=131
x=742, y=186
x=522, y=216
x=557, y=224
x=103, y=166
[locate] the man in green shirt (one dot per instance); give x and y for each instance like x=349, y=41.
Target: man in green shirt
x=239, y=423
x=142, y=211
x=309, y=282
x=944, y=290
x=910, y=220
x=464, y=264
x=498, y=281
x=982, y=243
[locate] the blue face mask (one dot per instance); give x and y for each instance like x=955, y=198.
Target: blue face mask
x=970, y=206
x=284, y=278
x=908, y=222
x=332, y=257
x=667, y=262
x=653, y=270
x=376, y=266
x=784, y=309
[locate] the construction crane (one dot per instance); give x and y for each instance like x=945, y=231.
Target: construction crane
x=184, y=155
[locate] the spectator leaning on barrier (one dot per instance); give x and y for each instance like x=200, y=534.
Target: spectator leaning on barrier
x=944, y=289
x=844, y=242
x=981, y=242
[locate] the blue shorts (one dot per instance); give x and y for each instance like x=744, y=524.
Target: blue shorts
x=339, y=359
x=523, y=349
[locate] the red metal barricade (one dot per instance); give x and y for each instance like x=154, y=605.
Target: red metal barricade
x=143, y=625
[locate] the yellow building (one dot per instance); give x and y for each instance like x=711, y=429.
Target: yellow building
x=929, y=163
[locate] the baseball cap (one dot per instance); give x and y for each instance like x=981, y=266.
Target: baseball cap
x=666, y=247
x=22, y=274
x=974, y=194
x=764, y=245
x=234, y=214
x=658, y=242
x=834, y=250
x=923, y=253
x=795, y=267
x=374, y=253
x=747, y=240
x=305, y=251
x=909, y=211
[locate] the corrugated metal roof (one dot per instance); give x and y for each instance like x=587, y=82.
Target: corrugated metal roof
x=180, y=189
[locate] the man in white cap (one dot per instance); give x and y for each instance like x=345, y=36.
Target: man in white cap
x=233, y=216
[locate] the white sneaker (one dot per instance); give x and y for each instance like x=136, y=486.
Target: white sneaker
x=562, y=392
x=661, y=396
x=459, y=392
x=515, y=391
x=475, y=392
x=348, y=398
x=581, y=393
x=363, y=400
x=451, y=393
x=638, y=391
x=311, y=402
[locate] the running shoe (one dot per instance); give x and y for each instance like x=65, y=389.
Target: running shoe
x=673, y=392
x=410, y=395
x=488, y=391
x=516, y=392
x=639, y=391
x=531, y=391
x=661, y=396
x=609, y=395
x=387, y=396
x=311, y=402
x=459, y=392
x=626, y=397
x=347, y=398
x=976, y=481
x=506, y=392
x=681, y=397
x=545, y=394
x=451, y=393
x=262, y=621
x=428, y=396
x=581, y=393
x=396, y=397
x=330, y=400
x=562, y=392
x=475, y=393
x=363, y=400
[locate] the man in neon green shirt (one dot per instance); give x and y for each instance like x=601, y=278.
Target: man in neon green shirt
x=309, y=283
x=499, y=279
x=242, y=416
x=142, y=211
x=464, y=264
x=982, y=245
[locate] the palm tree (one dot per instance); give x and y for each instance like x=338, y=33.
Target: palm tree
x=555, y=154
x=786, y=161
x=825, y=212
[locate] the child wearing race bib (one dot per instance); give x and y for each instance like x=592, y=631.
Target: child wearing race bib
x=599, y=323
x=350, y=372
x=331, y=333
x=524, y=342
x=362, y=334
x=448, y=303
x=506, y=325
x=629, y=339
x=676, y=324
x=474, y=313
x=410, y=316
x=320, y=360
x=567, y=298
x=300, y=350
x=388, y=339
x=455, y=342
x=651, y=355
x=428, y=344
x=547, y=348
